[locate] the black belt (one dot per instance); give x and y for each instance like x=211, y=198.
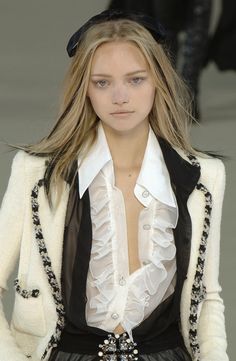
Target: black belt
x=88, y=343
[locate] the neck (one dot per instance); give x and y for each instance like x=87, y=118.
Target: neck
x=127, y=148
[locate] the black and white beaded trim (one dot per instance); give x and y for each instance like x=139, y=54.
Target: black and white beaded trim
x=56, y=292
x=25, y=293
x=118, y=347
x=198, y=289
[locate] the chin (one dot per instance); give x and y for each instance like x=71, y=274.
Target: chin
x=124, y=126
x=123, y=129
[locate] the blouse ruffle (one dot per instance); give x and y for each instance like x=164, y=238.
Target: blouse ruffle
x=100, y=281
x=152, y=283
x=149, y=285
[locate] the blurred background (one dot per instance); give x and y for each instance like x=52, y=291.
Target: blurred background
x=33, y=60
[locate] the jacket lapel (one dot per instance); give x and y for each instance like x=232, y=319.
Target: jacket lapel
x=76, y=250
x=184, y=177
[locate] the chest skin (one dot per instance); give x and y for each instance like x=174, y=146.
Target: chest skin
x=133, y=207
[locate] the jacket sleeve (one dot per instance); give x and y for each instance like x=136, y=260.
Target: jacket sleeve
x=11, y=225
x=211, y=328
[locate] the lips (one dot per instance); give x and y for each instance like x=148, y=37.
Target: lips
x=122, y=112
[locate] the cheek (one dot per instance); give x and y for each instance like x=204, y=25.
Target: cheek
x=93, y=98
x=149, y=96
x=98, y=102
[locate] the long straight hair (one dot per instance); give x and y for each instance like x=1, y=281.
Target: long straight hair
x=76, y=127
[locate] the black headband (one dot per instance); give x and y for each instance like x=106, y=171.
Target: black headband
x=152, y=25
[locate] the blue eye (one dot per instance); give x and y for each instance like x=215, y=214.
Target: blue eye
x=137, y=80
x=101, y=83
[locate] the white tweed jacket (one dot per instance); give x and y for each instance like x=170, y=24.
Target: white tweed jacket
x=34, y=323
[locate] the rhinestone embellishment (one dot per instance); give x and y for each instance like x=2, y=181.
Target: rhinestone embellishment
x=118, y=348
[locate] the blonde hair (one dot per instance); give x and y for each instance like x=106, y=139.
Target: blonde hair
x=76, y=128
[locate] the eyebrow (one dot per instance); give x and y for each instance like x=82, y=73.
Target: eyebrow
x=128, y=74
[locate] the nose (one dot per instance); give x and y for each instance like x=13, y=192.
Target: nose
x=120, y=95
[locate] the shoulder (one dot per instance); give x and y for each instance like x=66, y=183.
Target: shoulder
x=212, y=172
x=23, y=157
x=31, y=165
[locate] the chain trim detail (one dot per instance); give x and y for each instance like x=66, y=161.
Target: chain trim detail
x=56, y=292
x=198, y=292
x=25, y=293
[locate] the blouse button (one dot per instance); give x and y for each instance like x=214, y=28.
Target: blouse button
x=115, y=316
x=122, y=281
x=147, y=298
x=145, y=194
x=146, y=227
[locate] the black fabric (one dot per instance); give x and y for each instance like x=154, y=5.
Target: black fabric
x=222, y=45
x=73, y=216
x=84, y=344
x=150, y=23
x=176, y=354
x=161, y=328
x=77, y=244
x=183, y=174
x=184, y=177
x=170, y=13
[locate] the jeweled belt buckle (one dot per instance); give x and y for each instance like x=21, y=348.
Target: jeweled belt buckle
x=118, y=348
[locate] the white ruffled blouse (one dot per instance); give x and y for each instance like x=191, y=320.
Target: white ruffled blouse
x=114, y=296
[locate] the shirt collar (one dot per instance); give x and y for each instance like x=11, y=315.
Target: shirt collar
x=153, y=175
x=98, y=155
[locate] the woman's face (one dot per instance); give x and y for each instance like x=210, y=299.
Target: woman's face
x=121, y=88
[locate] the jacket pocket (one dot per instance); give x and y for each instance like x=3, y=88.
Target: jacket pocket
x=28, y=313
